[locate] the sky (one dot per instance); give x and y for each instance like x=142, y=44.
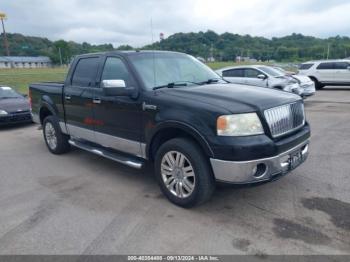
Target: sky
x=129, y=21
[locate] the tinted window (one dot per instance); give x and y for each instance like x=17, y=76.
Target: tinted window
x=271, y=71
x=85, y=72
x=251, y=73
x=305, y=66
x=233, y=73
x=325, y=66
x=115, y=69
x=341, y=65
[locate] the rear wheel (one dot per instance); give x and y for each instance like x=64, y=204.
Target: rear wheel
x=56, y=141
x=183, y=173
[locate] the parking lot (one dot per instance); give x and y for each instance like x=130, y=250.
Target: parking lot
x=79, y=203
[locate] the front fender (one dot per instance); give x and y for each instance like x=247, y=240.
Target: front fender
x=184, y=127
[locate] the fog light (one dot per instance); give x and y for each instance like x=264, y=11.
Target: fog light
x=260, y=170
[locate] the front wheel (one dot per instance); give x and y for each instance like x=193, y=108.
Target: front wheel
x=318, y=85
x=183, y=173
x=56, y=141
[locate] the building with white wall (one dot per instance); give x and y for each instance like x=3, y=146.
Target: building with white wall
x=25, y=62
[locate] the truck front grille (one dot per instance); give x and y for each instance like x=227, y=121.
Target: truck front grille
x=285, y=119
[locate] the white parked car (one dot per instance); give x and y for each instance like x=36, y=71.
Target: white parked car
x=260, y=75
x=305, y=82
x=327, y=72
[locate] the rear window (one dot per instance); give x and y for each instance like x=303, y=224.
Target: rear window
x=233, y=73
x=325, y=66
x=85, y=72
x=305, y=66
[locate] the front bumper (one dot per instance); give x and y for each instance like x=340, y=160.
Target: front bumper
x=259, y=170
x=14, y=118
x=308, y=89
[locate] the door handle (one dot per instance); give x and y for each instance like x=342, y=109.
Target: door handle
x=68, y=98
x=96, y=101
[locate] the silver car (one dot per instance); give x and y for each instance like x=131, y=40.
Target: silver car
x=305, y=82
x=260, y=75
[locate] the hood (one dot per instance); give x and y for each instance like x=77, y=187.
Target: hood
x=13, y=105
x=235, y=98
x=302, y=79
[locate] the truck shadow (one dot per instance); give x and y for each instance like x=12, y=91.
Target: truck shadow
x=13, y=127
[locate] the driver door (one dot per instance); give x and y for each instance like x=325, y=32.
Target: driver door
x=118, y=124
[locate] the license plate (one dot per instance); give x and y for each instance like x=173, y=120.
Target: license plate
x=295, y=160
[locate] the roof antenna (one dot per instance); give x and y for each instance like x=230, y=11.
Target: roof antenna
x=154, y=59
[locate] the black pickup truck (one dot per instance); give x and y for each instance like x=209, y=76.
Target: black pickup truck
x=170, y=109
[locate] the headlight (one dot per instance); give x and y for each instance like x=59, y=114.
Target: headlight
x=3, y=113
x=239, y=125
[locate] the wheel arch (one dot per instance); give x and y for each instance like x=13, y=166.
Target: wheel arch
x=172, y=129
x=47, y=108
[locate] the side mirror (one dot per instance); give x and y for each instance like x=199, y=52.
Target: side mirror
x=261, y=76
x=116, y=87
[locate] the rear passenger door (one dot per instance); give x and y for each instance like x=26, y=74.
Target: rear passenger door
x=234, y=75
x=325, y=72
x=78, y=98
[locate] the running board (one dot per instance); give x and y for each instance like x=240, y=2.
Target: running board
x=129, y=161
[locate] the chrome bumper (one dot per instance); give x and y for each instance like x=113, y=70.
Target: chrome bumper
x=259, y=170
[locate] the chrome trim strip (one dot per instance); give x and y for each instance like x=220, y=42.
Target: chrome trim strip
x=112, y=156
x=82, y=133
x=241, y=172
x=118, y=143
x=121, y=144
x=36, y=118
x=63, y=127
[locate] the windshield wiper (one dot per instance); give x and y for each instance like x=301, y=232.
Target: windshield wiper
x=210, y=81
x=175, y=84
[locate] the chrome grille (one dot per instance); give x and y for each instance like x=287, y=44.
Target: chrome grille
x=285, y=119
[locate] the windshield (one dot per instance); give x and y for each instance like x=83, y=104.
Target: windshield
x=271, y=71
x=7, y=92
x=159, y=69
x=282, y=71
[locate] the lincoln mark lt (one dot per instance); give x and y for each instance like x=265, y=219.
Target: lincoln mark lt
x=171, y=110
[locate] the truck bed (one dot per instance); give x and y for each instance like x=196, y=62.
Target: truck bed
x=52, y=92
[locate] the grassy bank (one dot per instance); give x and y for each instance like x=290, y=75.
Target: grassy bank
x=19, y=79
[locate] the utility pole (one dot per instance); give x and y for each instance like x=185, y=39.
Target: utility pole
x=6, y=44
x=59, y=51
x=328, y=51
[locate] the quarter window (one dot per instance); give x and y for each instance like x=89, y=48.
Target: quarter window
x=341, y=65
x=85, y=72
x=233, y=73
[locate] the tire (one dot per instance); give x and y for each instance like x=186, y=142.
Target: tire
x=318, y=85
x=55, y=140
x=185, y=188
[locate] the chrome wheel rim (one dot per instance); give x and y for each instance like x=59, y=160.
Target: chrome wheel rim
x=50, y=135
x=178, y=174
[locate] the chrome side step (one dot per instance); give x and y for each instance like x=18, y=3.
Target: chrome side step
x=131, y=162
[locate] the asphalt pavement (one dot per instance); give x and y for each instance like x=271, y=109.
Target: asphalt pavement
x=80, y=203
